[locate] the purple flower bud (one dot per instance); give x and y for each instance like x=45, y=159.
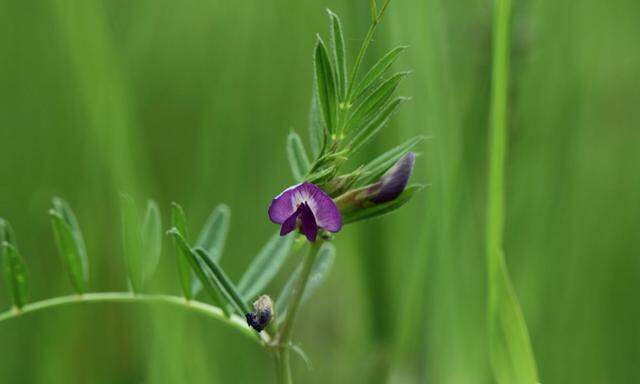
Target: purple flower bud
x=394, y=181
x=307, y=207
x=262, y=314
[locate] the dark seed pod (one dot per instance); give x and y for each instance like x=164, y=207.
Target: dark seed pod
x=262, y=314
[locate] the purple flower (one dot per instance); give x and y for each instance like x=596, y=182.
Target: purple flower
x=305, y=206
x=394, y=181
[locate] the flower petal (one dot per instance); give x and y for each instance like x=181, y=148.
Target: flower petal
x=308, y=225
x=326, y=212
x=282, y=206
x=289, y=224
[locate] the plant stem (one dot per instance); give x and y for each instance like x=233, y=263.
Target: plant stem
x=211, y=311
x=510, y=349
x=284, y=337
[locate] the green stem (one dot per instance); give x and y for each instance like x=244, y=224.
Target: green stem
x=498, y=138
x=284, y=337
x=511, y=354
x=211, y=311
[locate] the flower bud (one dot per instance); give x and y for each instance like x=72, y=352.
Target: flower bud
x=262, y=313
x=394, y=181
x=365, y=202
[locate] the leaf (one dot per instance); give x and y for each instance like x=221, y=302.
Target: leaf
x=510, y=348
x=368, y=108
x=223, y=282
x=317, y=129
x=265, y=265
x=151, y=233
x=319, y=272
x=300, y=352
x=63, y=208
x=132, y=242
x=70, y=244
x=6, y=234
x=298, y=160
x=214, y=232
x=206, y=280
x=381, y=209
x=326, y=86
x=179, y=221
x=373, y=170
x=376, y=72
x=13, y=266
x=367, y=133
x=339, y=54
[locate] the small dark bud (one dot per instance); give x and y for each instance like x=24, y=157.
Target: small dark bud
x=262, y=314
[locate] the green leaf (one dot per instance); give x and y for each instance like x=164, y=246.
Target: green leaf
x=376, y=72
x=13, y=266
x=151, y=233
x=319, y=272
x=339, y=53
x=7, y=234
x=132, y=242
x=265, y=265
x=70, y=244
x=326, y=85
x=179, y=221
x=298, y=159
x=214, y=232
x=317, y=129
x=381, y=209
x=15, y=274
x=377, y=167
x=367, y=133
x=206, y=280
x=374, y=102
x=224, y=284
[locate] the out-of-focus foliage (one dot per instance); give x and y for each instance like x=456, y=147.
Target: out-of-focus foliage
x=192, y=102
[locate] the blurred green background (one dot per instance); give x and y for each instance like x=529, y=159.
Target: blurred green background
x=190, y=101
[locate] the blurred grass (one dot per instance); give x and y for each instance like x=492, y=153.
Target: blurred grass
x=192, y=101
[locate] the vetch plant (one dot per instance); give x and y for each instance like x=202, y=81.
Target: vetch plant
x=347, y=111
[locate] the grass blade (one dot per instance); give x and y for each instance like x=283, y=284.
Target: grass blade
x=510, y=349
x=319, y=272
x=339, y=54
x=265, y=266
x=214, y=232
x=376, y=72
x=132, y=242
x=206, y=280
x=326, y=86
x=373, y=170
x=298, y=159
x=151, y=233
x=224, y=284
x=70, y=245
x=368, y=108
x=179, y=221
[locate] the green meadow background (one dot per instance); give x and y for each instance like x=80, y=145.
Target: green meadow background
x=191, y=101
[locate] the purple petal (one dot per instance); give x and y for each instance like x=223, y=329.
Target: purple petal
x=394, y=181
x=289, y=224
x=282, y=206
x=308, y=224
x=324, y=209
